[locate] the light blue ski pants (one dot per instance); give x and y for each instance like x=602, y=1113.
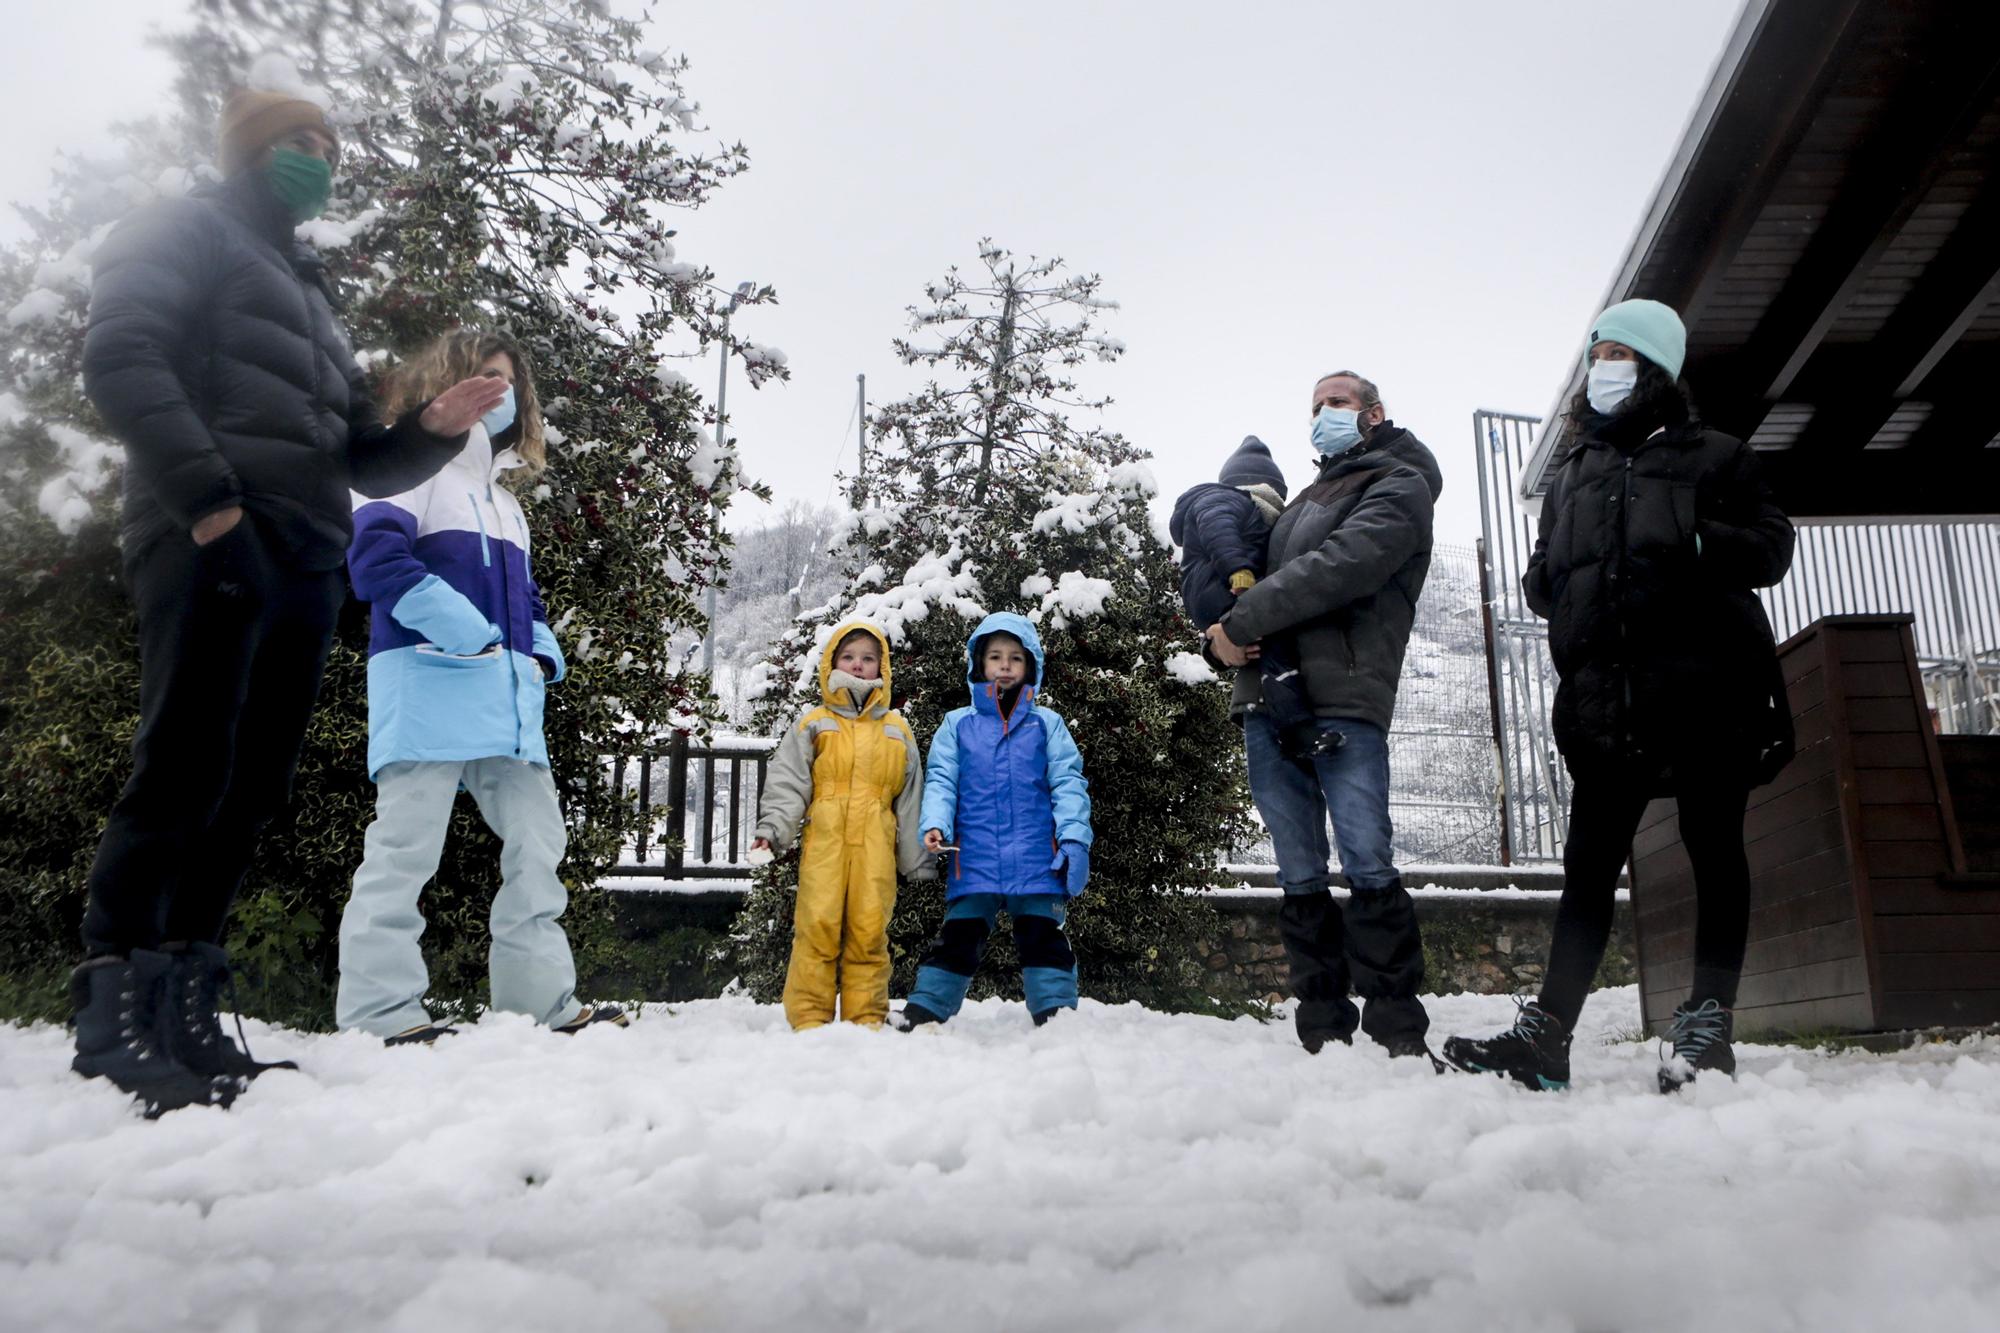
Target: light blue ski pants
x=382, y=974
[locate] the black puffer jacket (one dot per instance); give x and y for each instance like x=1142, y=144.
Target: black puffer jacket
x=1347, y=562
x=1667, y=665
x=214, y=354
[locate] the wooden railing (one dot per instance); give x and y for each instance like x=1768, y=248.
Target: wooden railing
x=710, y=807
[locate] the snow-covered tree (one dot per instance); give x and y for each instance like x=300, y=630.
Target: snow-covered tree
x=516, y=163
x=775, y=569
x=982, y=493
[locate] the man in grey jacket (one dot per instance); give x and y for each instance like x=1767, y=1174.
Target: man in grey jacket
x=1346, y=563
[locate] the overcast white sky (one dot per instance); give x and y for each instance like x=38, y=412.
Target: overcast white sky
x=1434, y=194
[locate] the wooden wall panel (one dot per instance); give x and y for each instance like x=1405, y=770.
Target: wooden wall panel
x=1861, y=913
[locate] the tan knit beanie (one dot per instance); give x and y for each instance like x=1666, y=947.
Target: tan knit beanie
x=252, y=121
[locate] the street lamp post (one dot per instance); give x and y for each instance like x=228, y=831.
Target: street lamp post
x=721, y=439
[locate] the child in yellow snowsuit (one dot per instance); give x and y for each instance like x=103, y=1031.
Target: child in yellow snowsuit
x=852, y=771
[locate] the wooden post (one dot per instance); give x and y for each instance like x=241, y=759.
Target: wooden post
x=677, y=796
x=1493, y=704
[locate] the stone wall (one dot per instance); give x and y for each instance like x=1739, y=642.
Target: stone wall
x=1486, y=943
x=1486, y=930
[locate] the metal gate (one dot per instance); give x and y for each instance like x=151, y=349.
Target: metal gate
x=1946, y=574
x=1520, y=677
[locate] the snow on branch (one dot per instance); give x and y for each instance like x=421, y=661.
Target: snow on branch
x=1076, y=596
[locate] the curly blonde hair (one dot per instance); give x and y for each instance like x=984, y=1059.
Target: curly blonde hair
x=456, y=356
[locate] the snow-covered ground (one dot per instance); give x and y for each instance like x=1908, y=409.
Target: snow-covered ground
x=1119, y=1169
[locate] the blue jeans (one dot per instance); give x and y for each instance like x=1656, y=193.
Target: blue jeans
x=1351, y=785
x=1375, y=943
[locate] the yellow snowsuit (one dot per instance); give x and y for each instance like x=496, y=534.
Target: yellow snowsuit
x=851, y=769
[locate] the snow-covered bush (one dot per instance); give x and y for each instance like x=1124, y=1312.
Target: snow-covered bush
x=518, y=163
x=983, y=495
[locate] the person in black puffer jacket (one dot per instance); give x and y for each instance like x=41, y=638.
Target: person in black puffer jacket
x=1654, y=536
x=214, y=354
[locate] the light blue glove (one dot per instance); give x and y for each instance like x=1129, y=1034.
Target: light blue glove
x=445, y=616
x=1073, y=859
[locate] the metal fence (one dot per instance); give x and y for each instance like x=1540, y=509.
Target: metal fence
x=1443, y=794
x=718, y=785
x=1946, y=574
x=1534, y=787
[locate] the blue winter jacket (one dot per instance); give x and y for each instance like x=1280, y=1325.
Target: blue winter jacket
x=1007, y=790
x=1220, y=530
x=459, y=650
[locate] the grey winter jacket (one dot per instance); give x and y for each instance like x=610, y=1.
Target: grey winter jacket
x=1347, y=561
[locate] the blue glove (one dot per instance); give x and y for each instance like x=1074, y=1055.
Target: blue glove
x=1073, y=859
x=445, y=616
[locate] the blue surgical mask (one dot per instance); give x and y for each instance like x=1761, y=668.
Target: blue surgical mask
x=1610, y=383
x=1336, y=430
x=501, y=417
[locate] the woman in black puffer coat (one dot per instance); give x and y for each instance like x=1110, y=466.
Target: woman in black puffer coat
x=1654, y=536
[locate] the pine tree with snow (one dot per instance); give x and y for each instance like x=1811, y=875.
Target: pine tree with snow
x=983, y=494
x=514, y=163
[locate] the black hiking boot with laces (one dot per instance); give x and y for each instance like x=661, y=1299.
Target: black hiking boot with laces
x=194, y=1030
x=1697, y=1039
x=1534, y=1052
x=123, y=1011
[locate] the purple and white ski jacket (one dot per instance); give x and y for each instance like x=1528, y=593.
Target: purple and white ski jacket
x=459, y=648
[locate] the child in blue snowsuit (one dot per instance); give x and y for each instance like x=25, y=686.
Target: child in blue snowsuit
x=1224, y=532
x=1005, y=798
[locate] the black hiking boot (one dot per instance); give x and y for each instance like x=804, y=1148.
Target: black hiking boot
x=591, y=1016
x=1314, y=1037
x=201, y=972
x=913, y=1017
x=1534, y=1052
x=1697, y=1039
x=123, y=1011
x=1401, y=1048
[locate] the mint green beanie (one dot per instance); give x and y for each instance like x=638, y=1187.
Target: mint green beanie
x=1652, y=330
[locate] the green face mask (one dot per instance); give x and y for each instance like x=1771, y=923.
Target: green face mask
x=302, y=182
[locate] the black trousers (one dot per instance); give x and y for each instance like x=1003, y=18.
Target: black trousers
x=232, y=645
x=1604, y=815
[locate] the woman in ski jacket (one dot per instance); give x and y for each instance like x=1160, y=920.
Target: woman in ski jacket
x=1654, y=537
x=1005, y=780
x=851, y=771
x=460, y=654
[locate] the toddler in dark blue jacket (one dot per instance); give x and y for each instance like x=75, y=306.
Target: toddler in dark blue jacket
x=1223, y=529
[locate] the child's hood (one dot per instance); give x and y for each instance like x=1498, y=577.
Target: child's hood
x=827, y=688
x=1269, y=502
x=1005, y=622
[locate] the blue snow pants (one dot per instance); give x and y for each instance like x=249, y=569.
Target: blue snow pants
x=1048, y=964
